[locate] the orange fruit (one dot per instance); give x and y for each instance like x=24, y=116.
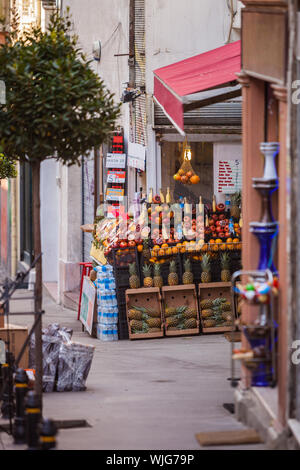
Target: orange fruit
x=194, y=179
x=174, y=250
x=140, y=248
x=182, y=250
x=177, y=177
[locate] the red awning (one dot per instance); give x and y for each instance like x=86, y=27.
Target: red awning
x=198, y=81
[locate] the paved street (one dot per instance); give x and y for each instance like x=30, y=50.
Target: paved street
x=154, y=394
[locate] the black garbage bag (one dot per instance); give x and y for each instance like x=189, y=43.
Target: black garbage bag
x=52, y=338
x=74, y=364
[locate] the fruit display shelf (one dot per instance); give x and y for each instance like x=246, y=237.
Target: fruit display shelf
x=211, y=296
x=180, y=306
x=143, y=307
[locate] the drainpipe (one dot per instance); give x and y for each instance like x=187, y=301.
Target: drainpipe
x=14, y=231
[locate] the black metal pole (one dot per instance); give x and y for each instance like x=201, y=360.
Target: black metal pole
x=33, y=419
x=21, y=388
x=48, y=434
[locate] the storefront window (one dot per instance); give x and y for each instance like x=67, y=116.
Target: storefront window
x=202, y=163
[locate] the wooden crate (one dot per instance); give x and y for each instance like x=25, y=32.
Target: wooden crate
x=144, y=297
x=211, y=291
x=175, y=296
x=17, y=336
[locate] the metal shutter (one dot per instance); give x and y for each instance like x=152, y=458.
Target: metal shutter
x=219, y=114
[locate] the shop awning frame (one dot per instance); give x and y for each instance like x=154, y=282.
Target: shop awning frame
x=200, y=81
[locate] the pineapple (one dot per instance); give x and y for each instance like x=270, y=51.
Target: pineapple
x=207, y=313
x=172, y=322
x=134, y=280
x=146, y=250
x=227, y=316
x=205, y=264
x=173, y=276
x=139, y=326
x=157, y=279
x=226, y=306
x=170, y=311
x=189, y=313
x=134, y=314
x=187, y=277
x=209, y=323
x=154, y=322
x=191, y=323
x=148, y=280
x=205, y=304
x=153, y=314
x=235, y=211
x=136, y=325
x=225, y=264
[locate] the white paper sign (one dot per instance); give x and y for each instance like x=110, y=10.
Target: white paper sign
x=227, y=169
x=136, y=156
x=115, y=160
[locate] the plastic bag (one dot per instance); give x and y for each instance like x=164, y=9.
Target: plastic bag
x=52, y=338
x=74, y=364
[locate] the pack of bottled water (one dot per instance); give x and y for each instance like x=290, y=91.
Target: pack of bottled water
x=107, y=332
x=107, y=312
x=107, y=316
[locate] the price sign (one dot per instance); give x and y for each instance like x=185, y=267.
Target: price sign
x=116, y=160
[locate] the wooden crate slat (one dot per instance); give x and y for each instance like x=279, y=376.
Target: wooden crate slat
x=210, y=291
x=190, y=300
x=142, y=293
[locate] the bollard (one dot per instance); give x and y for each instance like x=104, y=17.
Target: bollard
x=33, y=419
x=21, y=388
x=8, y=407
x=48, y=433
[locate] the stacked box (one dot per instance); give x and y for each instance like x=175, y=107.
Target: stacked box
x=107, y=305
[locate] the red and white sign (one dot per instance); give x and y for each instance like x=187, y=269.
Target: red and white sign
x=116, y=176
x=227, y=169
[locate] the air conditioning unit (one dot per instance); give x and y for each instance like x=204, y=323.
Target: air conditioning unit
x=48, y=3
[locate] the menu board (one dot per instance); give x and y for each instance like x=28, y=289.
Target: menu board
x=229, y=176
x=227, y=169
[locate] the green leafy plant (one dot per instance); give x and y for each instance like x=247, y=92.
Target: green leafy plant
x=7, y=168
x=56, y=107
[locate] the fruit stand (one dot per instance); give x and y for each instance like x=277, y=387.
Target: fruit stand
x=175, y=248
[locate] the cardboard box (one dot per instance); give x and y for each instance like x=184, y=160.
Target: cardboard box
x=17, y=336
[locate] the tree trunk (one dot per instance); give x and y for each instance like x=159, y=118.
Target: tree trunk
x=38, y=281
